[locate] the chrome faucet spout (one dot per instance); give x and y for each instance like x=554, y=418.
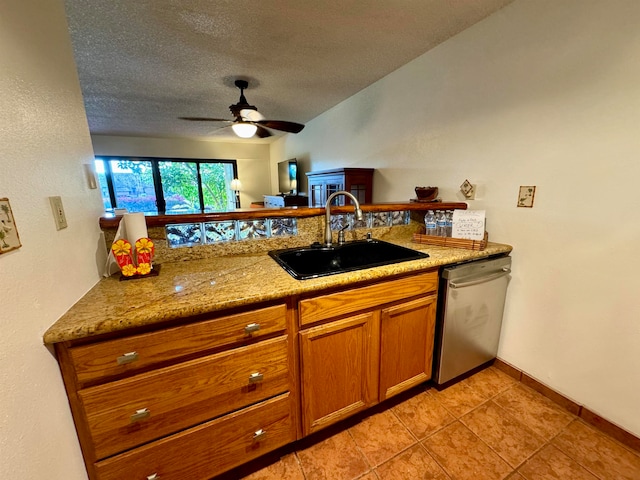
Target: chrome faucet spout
x=327, y=213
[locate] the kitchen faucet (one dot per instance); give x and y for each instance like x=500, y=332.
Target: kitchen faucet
x=327, y=214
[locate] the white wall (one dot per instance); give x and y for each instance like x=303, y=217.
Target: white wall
x=44, y=142
x=542, y=93
x=252, y=158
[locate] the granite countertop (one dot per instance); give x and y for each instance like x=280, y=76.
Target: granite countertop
x=184, y=289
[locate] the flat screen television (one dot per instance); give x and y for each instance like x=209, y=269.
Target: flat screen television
x=288, y=177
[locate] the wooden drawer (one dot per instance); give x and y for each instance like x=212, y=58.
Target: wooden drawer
x=126, y=355
x=183, y=395
x=341, y=303
x=208, y=449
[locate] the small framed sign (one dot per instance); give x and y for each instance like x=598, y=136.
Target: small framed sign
x=9, y=239
x=526, y=195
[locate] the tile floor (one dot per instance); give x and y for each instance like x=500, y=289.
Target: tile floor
x=487, y=427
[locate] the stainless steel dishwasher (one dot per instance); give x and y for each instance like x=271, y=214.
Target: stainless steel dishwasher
x=470, y=307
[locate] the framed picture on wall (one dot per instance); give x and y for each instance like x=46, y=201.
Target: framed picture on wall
x=9, y=239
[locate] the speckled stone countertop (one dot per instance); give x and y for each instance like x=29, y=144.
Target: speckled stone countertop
x=198, y=287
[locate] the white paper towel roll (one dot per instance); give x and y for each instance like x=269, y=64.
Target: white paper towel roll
x=135, y=227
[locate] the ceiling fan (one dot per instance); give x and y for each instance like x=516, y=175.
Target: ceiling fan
x=248, y=121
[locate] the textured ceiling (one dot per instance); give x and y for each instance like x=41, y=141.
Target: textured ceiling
x=144, y=63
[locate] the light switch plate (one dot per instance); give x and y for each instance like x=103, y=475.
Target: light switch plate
x=58, y=212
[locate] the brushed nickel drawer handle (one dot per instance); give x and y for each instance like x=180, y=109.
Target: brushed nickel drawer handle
x=251, y=328
x=141, y=414
x=256, y=377
x=153, y=476
x=259, y=436
x=127, y=358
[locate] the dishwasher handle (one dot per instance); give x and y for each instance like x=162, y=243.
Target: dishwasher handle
x=477, y=281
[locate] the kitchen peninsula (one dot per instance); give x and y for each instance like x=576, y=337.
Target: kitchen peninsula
x=206, y=356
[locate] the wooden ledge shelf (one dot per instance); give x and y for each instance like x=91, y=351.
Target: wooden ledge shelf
x=108, y=222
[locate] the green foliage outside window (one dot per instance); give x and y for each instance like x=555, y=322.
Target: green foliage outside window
x=181, y=189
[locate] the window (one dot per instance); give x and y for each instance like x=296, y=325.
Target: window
x=159, y=185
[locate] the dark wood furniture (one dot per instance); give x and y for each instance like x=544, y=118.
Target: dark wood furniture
x=357, y=181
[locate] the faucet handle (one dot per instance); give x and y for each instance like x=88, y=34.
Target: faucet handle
x=341, y=234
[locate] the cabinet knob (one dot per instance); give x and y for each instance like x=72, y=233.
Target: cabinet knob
x=256, y=377
x=127, y=358
x=251, y=328
x=153, y=476
x=141, y=414
x=259, y=435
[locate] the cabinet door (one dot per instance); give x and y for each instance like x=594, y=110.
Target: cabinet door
x=339, y=369
x=406, y=345
x=317, y=196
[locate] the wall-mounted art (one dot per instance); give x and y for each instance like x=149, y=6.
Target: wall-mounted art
x=9, y=239
x=526, y=195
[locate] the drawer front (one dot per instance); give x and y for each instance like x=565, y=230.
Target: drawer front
x=332, y=305
x=209, y=449
x=124, y=355
x=133, y=411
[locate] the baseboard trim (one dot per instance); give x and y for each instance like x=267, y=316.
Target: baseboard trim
x=593, y=419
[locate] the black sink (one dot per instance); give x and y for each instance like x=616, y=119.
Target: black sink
x=316, y=260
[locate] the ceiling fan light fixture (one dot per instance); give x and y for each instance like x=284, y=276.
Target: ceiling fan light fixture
x=244, y=129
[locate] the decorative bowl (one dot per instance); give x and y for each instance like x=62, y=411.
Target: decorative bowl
x=426, y=194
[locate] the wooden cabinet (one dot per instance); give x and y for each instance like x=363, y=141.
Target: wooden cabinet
x=357, y=181
x=198, y=398
x=185, y=402
x=101, y=361
x=207, y=449
x=363, y=345
x=406, y=347
x=338, y=375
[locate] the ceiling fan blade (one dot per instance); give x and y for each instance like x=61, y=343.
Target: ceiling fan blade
x=290, y=127
x=251, y=115
x=205, y=119
x=262, y=132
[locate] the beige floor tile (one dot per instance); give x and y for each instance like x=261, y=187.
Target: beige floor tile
x=381, y=436
x=490, y=382
x=423, y=414
x=336, y=458
x=459, y=398
x=599, y=454
x=369, y=476
x=512, y=440
x=490, y=439
x=414, y=463
x=288, y=468
x=551, y=464
x=515, y=476
x=464, y=456
x=537, y=412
